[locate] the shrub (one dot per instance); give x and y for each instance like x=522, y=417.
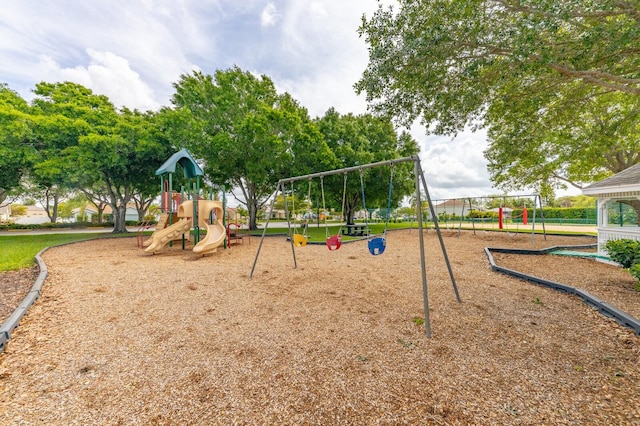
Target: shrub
x=625, y=252
x=635, y=271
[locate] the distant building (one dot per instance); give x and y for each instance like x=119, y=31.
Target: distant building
x=455, y=207
x=5, y=213
x=35, y=215
x=91, y=214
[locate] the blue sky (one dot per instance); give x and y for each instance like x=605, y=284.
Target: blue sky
x=133, y=50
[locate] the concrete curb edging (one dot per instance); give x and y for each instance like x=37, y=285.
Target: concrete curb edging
x=14, y=319
x=604, y=308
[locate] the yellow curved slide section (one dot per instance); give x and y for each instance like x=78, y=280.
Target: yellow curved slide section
x=216, y=234
x=161, y=238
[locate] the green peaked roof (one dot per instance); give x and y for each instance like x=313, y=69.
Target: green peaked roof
x=184, y=158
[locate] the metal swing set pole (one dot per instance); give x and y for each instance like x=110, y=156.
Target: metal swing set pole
x=419, y=176
x=266, y=225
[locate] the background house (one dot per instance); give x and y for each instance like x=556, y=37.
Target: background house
x=91, y=214
x=5, y=212
x=34, y=215
x=454, y=208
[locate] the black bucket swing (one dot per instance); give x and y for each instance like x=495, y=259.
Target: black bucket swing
x=377, y=244
x=334, y=242
x=299, y=240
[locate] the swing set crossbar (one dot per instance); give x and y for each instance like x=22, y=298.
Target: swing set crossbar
x=350, y=169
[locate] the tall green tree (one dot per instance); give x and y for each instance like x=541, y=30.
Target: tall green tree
x=555, y=82
x=145, y=130
x=247, y=134
x=15, y=131
x=533, y=146
x=363, y=139
x=62, y=113
x=120, y=162
x=49, y=175
x=80, y=141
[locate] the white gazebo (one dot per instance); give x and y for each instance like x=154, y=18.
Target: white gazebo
x=617, y=219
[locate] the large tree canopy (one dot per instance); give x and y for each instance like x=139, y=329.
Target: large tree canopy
x=116, y=165
x=363, y=139
x=14, y=133
x=78, y=140
x=248, y=135
x=544, y=149
x=61, y=113
x=558, y=78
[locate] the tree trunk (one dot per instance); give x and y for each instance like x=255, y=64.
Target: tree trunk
x=100, y=202
x=100, y=213
x=350, y=214
x=351, y=203
x=142, y=206
x=54, y=209
x=252, y=206
x=50, y=195
x=119, y=218
x=249, y=192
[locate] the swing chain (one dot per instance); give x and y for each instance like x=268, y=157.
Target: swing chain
x=364, y=203
x=344, y=197
x=324, y=208
x=386, y=226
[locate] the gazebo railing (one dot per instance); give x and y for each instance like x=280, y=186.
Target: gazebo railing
x=605, y=234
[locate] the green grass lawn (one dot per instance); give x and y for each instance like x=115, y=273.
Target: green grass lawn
x=18, y=251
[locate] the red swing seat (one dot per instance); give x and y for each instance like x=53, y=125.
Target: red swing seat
x=334, y=242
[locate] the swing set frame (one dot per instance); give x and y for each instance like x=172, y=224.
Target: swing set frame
x=538, y=211
x=419, y=179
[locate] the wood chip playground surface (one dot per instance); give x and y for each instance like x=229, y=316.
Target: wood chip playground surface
x=123, y=337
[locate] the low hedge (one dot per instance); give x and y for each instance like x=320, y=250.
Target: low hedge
x=626, y=253
x=71, y=225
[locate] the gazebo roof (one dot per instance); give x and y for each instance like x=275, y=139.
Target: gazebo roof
x=184, y=158
x=627, y=180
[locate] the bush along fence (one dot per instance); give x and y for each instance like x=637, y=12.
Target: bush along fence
x=565, y=215
x=626, y=253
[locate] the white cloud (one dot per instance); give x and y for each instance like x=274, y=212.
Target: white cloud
x=320, y=41
x=106, y=74
x=454, y=167
x=133, y=50
x=269, y=16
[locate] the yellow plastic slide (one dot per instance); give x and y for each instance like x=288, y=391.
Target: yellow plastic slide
x=214, y=238
x=160, y=239
x=216, y=231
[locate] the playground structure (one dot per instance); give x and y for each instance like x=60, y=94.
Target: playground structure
x=186, y=211
x=377, y=244
x=216, y=232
